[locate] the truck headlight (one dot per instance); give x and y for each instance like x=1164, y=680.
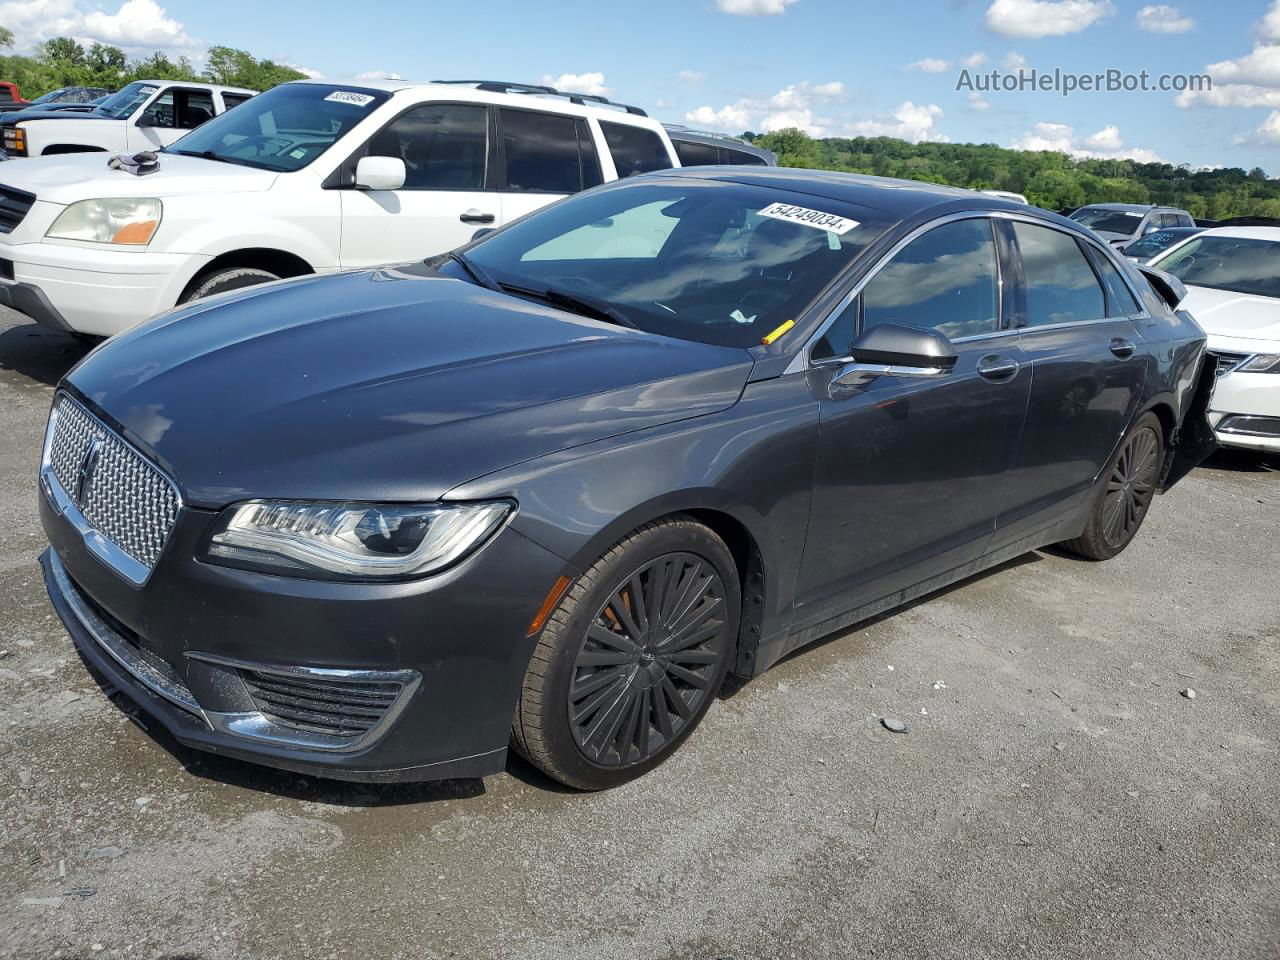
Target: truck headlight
x=359, y=541
x=125, y=221
x=1261, y=363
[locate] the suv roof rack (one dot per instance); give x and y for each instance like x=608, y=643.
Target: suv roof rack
x=581, y=99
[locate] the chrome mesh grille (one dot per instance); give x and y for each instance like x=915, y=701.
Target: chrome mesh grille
x=126, y=499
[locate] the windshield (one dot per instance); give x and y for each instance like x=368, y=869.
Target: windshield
x=1227, y=263
x=52, y=95
x=1153, y=243
x=126, y=100
x=698, y=260
x=283, y=129
x=1110, y=221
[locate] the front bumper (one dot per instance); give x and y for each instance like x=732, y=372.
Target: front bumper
x=1245, y=411
x=88, y=289
x=183, y=645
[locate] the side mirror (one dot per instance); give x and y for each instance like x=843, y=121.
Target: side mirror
x=894, y=350
x=380, y=173
x=896, y=345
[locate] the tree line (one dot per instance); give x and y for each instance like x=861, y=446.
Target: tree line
x=64, y=62
x=1055, y=181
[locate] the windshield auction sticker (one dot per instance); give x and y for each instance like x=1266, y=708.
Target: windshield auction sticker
x=809, y=218
x=346, y=96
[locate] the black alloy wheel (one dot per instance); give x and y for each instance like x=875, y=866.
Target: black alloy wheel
x=649, y=660
x=1130, y=487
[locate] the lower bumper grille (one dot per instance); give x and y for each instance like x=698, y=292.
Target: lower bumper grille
x=1251, y=426
x=339, y=708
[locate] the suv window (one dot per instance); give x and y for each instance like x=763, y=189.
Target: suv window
x=1061, y=286
x=635, y=149
x=541, y=151
x=444, y=146
x=741, y=156
x=230, y=100
x=696, y=154
x=945, y=280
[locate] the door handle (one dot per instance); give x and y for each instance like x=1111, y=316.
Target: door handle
x=1122, y=348
x=997, y=368
x=475, y=216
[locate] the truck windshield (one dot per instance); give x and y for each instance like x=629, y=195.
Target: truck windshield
x=122, y=104
x=283, y=129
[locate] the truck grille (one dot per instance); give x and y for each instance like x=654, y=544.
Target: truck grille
x=120, y=493
x=14, y=206
x=340, y=708
x=1226, y=362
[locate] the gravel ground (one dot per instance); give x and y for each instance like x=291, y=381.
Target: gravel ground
x=1056, y=795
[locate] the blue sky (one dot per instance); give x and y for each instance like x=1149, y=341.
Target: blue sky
x=834, y=67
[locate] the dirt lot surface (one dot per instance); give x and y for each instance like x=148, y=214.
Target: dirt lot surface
x=1056, y=795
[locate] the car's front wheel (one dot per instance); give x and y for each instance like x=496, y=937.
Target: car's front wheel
x=225, y=280
x=632, y=657
x=1125, y=492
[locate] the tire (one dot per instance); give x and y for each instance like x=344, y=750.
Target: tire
x=595, y=714
x=221, y=281
x=1124, y=494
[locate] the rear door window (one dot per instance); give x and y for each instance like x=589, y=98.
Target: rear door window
x=1061, y=287
x=541, y=151
x=634, y=149
x=444, y=146
x=741, y=156
x=696, y=154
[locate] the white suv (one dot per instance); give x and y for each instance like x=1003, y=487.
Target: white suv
x=143, y=115
x=305, y=178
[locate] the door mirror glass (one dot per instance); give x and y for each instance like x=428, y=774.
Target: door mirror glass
x=896, y=345
x=380, y=173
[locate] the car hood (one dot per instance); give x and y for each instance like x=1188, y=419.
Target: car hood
x=84, y=176
x=384, y=385
x=1240, y=316
x=42, y=112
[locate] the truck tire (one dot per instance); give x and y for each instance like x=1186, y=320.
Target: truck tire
x=226, y=279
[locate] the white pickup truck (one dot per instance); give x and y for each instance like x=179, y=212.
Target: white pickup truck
x=305, y=178
x=143, y=115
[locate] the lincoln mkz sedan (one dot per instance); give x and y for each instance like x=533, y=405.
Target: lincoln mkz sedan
x=548, y=490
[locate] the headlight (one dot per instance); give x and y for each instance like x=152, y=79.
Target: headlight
x=359, y=541
x=130, y=221
x=1262, y=363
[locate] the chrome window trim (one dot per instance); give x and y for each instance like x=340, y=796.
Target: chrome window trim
x=802, y=360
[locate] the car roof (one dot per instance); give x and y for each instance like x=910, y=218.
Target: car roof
x=197, y=85
x=1245, y=233
x=901, y=199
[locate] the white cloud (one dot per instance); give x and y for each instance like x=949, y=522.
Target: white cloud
x=915, y=123
x=1269, y=131
x=1015, y=62
x=930, y=65
x=832, y=90
x=588, y=83
x=287, y=61
x=377, y=75
x=1106, y=144
x=801, y=119
x=1162, y=18
x=1260, y=66
x=976, y=59
x=1045, y=18
x=978, y=102
x=1268, y=28
x=661, y=104
x=1231, y=95
x=729, y=117
x=136, y=25
x=754, y=8
x=690, y=76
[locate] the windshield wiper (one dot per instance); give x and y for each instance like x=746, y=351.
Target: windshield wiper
x=476, y=274
x=577, y=303
x=210, y=155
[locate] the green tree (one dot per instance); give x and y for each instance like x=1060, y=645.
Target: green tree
x=237, y=68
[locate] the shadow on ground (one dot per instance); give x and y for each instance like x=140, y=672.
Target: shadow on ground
x=40, y=354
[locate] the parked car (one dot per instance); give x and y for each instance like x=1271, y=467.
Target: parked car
x=550, y=488
x=1144, y=249
x=1122, y=223
x=66, y=98
x=1233, y=278
x=77, y=107
x=305, y=178
x=11, y=97
x=697, y=148
x=144, y=115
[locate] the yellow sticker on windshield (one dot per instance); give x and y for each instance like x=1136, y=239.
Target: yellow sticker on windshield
x=809, y=218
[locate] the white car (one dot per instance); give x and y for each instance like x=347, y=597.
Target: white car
x=144, y=115
x=1233, y=282
x=306, y=178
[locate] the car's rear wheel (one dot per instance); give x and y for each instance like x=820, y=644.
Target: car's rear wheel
x=225, y=280
x=1126, y=490
x=632, y=657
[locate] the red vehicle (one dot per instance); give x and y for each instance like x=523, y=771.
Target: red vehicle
x=11, y=97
